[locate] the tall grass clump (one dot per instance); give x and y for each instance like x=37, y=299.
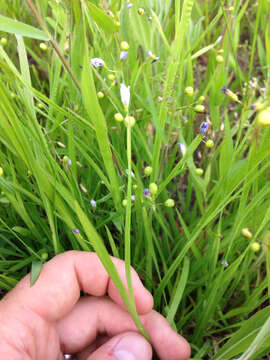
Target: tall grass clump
x=142, y=130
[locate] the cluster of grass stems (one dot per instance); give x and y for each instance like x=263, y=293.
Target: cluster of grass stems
x=61, y=147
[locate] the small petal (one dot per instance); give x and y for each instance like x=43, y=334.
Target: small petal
x=146, y=192
x=123, y=55
x=132, y=173
x=93, y=203
x=97, y=62
x=204, y=127
x=182, y=148
x=125, y=94
x=76, y=231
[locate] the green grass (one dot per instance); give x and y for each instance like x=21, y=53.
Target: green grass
x=50, y=112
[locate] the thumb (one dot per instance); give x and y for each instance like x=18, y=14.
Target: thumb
x=126, y=346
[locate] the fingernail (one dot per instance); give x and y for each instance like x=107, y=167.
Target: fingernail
x=132, y=347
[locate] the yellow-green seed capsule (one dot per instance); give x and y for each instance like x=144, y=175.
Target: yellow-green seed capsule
x=124, y=202
x=246, y=233
x=135, y=187
x=130, y=121
x=40, y=105
x=264, y=117
x=230, y=9
x=221, y=51
x=1, y=171
x=44, y=256
x=169, y=203
x=117, y=24
x=118, y=117
x=199, y=108
x=209, y=143
x=43, y=46
x=148, y=170
x=3, y=41
x=201, y=98
x=140, y=11
x=124, y=45
x=199, y=171
x=153, y=188
x=65, y=159
x=219, y=59
x=100, y=95
x=189, y=90
x=255, y=246
x=111, y=77
x=13, y=95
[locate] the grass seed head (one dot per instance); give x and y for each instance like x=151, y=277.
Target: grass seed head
x=118, y=117
x=246, y=233
x=153, y=188
x=3, y=41
x=169, y=203
x=255, y=246
x=264, y=117
x=43, y=46
x=124, y=45
x=148, y=170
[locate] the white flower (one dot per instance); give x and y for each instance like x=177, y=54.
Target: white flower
x=129, y=6
x=93, y=203
x=125, y=94
x=182, y=147
x=97, y=62
x=123, y=55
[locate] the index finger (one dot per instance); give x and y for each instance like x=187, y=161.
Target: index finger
x=61, y=280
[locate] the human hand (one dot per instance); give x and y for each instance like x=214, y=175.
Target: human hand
x=49, y=319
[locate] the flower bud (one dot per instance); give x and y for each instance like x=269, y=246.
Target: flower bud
x=219, y=59
x=44, y=256
x=100, y=95
x=153, y=188
x=130, y=121
x=255, y=246
x=124, y=45
x=43, y=46
x=209, y=143
x=118, y=117
x=111, y=77
x=199, y=171
x=3, y=41
x=148, y=170
x=264, y=117
x=199, y=108
x=124, y=202
x=169, y=203
x=246, y=233
x=189, y=90
x=201, y=98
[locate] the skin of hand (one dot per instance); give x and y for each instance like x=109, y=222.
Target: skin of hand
x=50, y=319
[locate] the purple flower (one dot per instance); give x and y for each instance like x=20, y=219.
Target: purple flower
x=132, y=197
x=123, y=55
x=224, y=89
x=76, y=231
x=146, y=192
x=93, y=203
x=129, y=6
x=69, y=162
x=204, y=127
x=223, y=262
x=132, y=173
x=182, y=148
